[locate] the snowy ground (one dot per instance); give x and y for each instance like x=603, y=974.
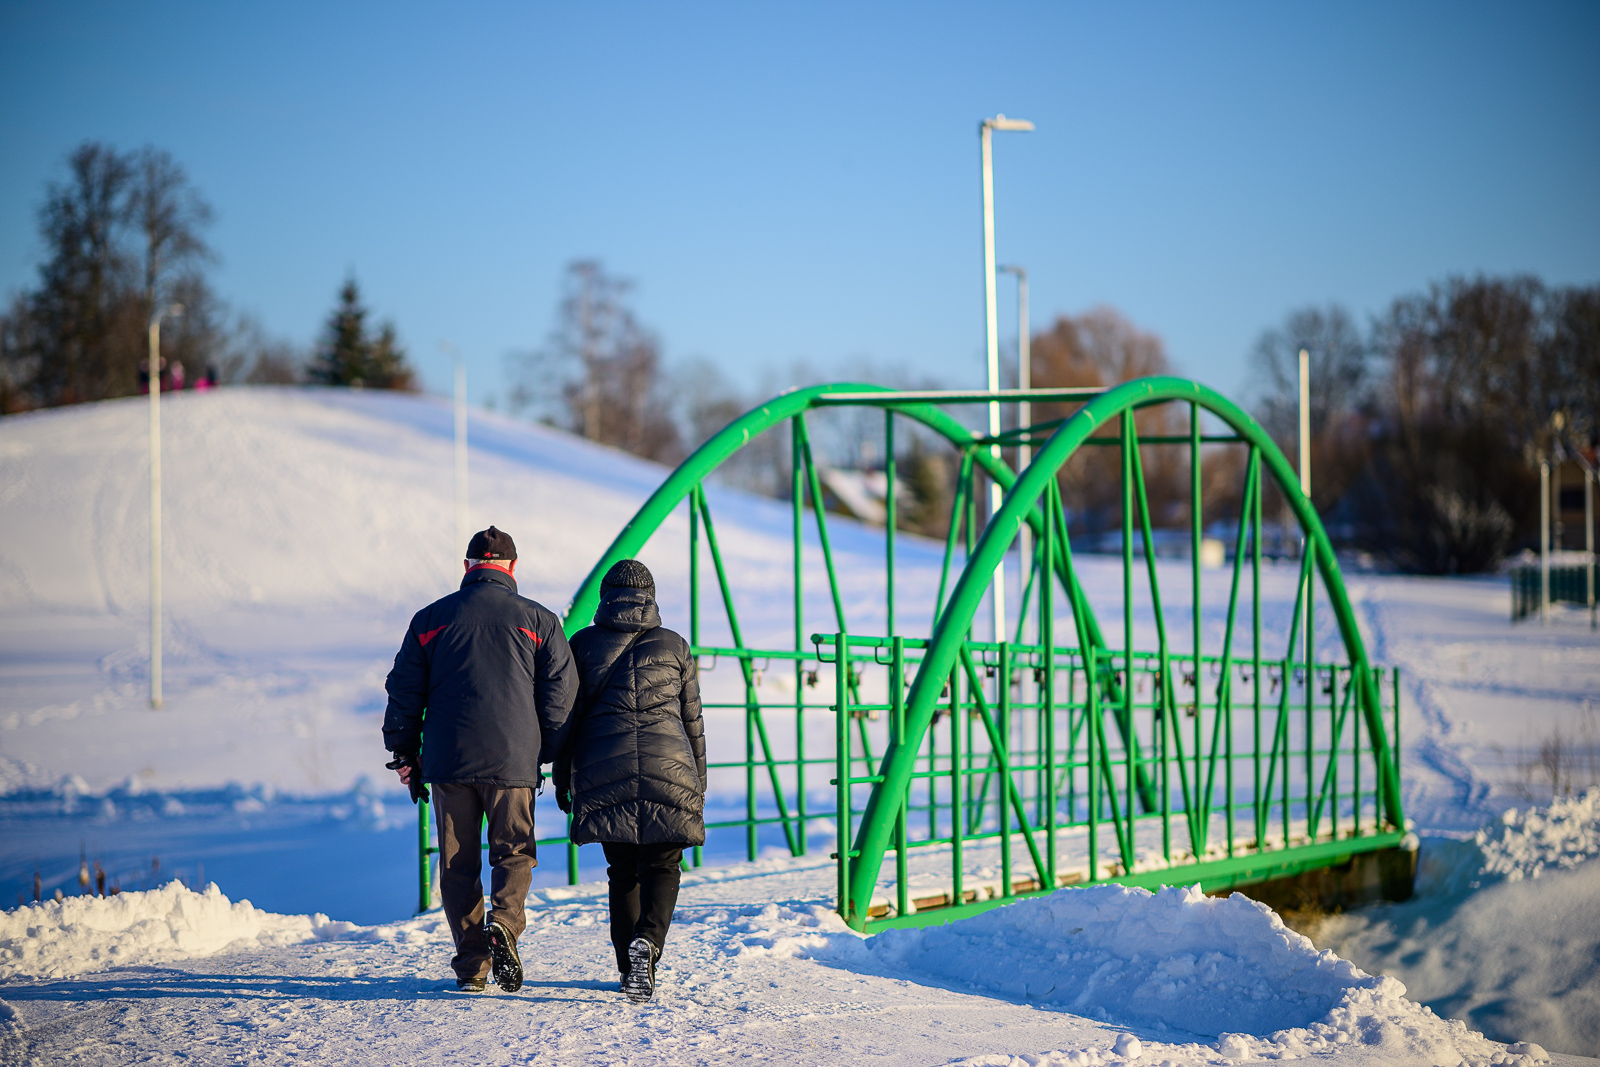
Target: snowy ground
x=303, y=528
x=758, y=969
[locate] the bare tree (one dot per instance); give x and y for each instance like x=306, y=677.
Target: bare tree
x=600, y=373
x=1464, y=409
x=1573, y=345
x=81, y=299
x=1338, y=355
x=123, y=231
x=1102, y=348
x=169, y=215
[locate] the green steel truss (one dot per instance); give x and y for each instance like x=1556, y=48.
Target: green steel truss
x=995, y=769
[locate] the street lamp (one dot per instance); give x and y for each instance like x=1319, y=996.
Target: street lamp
x=461, y=444
x=1305, y=468
x=1024, y=407
x=986, y=129
x=173, y=310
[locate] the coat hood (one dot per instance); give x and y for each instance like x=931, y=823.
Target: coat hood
x=627, y=610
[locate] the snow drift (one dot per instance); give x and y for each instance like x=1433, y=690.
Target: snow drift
x=63, y=938
x=1504, y=931
x=1179, y=963
x=1524, y=844
x=1175, y=959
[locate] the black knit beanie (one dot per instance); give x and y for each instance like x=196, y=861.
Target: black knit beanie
x=491, y=544
x=628, y=574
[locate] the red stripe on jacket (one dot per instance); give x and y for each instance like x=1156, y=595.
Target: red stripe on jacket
x=533, y=636
x=423, y=639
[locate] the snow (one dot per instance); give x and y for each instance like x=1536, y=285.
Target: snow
x=1524, y=844
x=304, y=526
x=1127, y=974
x=1179, y=962
x=63, y=938
x=1504, y=931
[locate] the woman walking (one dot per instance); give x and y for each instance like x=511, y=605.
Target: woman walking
x=634, y=772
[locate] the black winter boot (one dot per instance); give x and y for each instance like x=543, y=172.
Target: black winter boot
x=640, y=981
x=507, y=964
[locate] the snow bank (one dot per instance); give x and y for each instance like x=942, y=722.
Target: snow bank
x=63, y=938
x=1523, y=844
x=1178, y=962
x=1173, y=959
x=1504, y=931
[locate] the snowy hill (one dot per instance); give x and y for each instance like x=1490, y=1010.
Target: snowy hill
x=302, y=528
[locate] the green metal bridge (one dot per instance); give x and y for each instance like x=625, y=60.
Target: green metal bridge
x=987, y=770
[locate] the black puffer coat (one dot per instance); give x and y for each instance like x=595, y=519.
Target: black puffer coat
x=639, y=759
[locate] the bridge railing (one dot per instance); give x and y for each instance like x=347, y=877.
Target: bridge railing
x=1233, y=774
x=1026, y=785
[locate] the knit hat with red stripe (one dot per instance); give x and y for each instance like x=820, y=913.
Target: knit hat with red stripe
x=491, y=544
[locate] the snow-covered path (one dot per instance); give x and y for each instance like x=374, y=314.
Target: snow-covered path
x=757, y=970
x=1482, y=696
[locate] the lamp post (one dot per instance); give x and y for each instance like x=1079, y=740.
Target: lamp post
x=461, y=444
x=1024, y=411
x=986, y=130
x=1305, y=478
x=155, y=499
x=1544, y=540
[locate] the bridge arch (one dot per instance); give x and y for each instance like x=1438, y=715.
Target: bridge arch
x=700, y=464
x=1034, y=499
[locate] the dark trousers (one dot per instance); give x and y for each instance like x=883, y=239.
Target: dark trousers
x=461, y=808
x=644, y=890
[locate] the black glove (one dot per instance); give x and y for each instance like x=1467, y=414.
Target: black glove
x=564, y=787
x=402, y=759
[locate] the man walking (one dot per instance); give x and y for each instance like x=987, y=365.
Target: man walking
x=634, y=774
x=479, y=697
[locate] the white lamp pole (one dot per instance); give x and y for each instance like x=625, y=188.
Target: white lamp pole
x=1588, y=537
x=992, y=333
x=462, y=533
x=1305, y=422
x=155, y=499
x=1305, y=476
x=1024, y=415
x=1544, y=540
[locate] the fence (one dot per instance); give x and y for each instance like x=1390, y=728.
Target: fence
x=1033, y=779
x=1569, y=583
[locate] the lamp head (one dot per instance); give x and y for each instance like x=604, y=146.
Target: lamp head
x=1000, y=122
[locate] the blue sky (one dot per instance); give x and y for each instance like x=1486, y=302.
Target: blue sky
x=799, y=183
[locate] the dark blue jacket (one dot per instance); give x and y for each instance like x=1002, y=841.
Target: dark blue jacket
x=483, y=685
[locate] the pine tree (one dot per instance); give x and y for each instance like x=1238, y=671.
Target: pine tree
x=350, y=356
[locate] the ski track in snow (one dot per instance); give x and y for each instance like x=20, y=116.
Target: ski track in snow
x=1430, y=750
x=276, y=649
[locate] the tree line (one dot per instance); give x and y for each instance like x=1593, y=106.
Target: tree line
x=123, y=234
x=1427, y=425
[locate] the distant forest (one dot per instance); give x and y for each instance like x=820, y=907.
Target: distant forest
x=1427, y=422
